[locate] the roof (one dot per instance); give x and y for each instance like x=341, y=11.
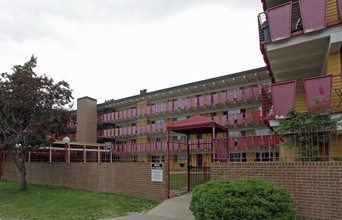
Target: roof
x=196, y=125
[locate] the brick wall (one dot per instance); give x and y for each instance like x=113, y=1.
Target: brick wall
x=133, y=179
x=316, y=186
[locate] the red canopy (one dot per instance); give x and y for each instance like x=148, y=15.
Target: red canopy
x=196, y=125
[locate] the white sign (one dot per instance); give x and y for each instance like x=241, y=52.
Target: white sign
x=157, y=172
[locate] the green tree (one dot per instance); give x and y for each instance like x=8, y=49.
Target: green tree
x=32, y=110
x=309, y=132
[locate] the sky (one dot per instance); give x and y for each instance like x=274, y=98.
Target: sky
x=112, y=49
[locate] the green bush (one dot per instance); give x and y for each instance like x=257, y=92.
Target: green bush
x=241, y=199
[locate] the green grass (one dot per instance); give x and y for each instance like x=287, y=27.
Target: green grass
x=49, y=202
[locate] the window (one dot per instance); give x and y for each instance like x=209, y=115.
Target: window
x=238, y=157
x=265, y=156
x=261, y=132
x=180, y=158
x=235, y=134
x=157, y=158
x=180, y=138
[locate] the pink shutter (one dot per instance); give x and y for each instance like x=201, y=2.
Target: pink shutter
x=143, y=129
x=223, y=97
x=164, y=106
x=188, y=103
x=256, y=91
x=170, y=106
x=279, y=19
x=224, y=119
x=134, y=130
x=139, y=111
x=153, y=109
x=124, y=131
x=112, y=116
x=138, y=129
x=194, y=101
x=216, y=98
x=217, y=119
x=276, y=140
x=208, y=99
x=164, y=127
x=148, y=128
x=148, y=110
x=105, y=117
x=159, y=107
x=153, y=128
x=129, y=130
x=134, y=112
x=231, y=119
x=256, y=115
x=116, y=132
x=239, y=117
x=175, y=105
x=201, y=100
x=143, y=111
x=230, y=96
x=231, y=142
x=248, y=117
x=238, y=94
x=239, y=142
x=318, y=87
x=129, y=113
x=181, y=104
x=116, y=115
x=313, y=14
x=267, y=141
x=248, y=93
x=120, y=131
x=124, y=114
x=257, y=141
x=159, y=127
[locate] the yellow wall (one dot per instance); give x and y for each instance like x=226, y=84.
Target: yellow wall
x=334, y=67
x=336, y=150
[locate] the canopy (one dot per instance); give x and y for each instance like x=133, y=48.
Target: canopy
x=196, y=125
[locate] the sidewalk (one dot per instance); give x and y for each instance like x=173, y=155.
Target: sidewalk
x=172, y=209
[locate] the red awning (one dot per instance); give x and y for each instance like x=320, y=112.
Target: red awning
x=196, y=125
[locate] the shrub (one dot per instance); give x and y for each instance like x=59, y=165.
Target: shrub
x=241, y=199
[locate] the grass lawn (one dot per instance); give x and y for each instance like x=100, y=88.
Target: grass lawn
x=49, y=202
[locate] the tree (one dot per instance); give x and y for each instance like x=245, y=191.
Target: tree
x=309, y=132
x=33, y=109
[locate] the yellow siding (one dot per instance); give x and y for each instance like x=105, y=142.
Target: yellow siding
x=287, y=153
x=336, y=150
x=300, y=102
x=250, y=157
x=332, y=13
x=334, y=67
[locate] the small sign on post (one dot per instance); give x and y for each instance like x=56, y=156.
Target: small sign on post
x=157, y=172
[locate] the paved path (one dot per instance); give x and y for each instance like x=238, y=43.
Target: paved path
x=172, y=209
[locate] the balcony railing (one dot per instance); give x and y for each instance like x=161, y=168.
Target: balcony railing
x=225, y=120
x=188, y=103
x=277, y=99
x=294, y=18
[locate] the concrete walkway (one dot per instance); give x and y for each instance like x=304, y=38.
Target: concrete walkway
x=172, y=209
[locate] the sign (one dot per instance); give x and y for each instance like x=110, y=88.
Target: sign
x=157, y=172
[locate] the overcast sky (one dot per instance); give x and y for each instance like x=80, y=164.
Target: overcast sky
x=111, y=49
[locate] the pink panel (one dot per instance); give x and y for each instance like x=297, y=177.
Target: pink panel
x=153, y=109
x=194, y=101
x=143, y=129
x=257, y=141
x=223, y=119
x=116, y=115
x=164, y=126
x=138, y=129
x=239, y=141
x=318, y=87
x=201, y=100
x=170, y=106
x=175, y=105
x=231, y=142
x=248, y=93
x=256, y=116
x=238, y=94
x=209, y=117
x=223, y=97
x=208, y=99
x=266, y=141
x=124, y=131
x=248, y=141
x=313, y=14
x=230, y=96
x=215, y=98
x=124, y=114
x=188, y=103
x=256, y=91
x=148, y=110
x=134, y=129
x=248, y=117
x=181, y=104
x=276, y=140
x=216, y=119
x=116, y=132
x=129, y=130
x=239, y=117
x=159, y=127
x=120, y=114
x=279, y=19
x=340, y=6
x=159, y=107
x=134, y=112
x=120, y=131
x=164, y=106
x=148, y=128
x=282, y=105
x=138, y=112
x=143, y=111
x=105, y=117
x=129, y=113
x=231, y=119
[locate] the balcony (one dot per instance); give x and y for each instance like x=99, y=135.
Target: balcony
x=296, y=37
x=278, y=98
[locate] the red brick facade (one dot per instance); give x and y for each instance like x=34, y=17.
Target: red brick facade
x=133, y=179
x=316, y=186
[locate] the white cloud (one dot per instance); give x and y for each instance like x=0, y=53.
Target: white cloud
x=112, y=49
